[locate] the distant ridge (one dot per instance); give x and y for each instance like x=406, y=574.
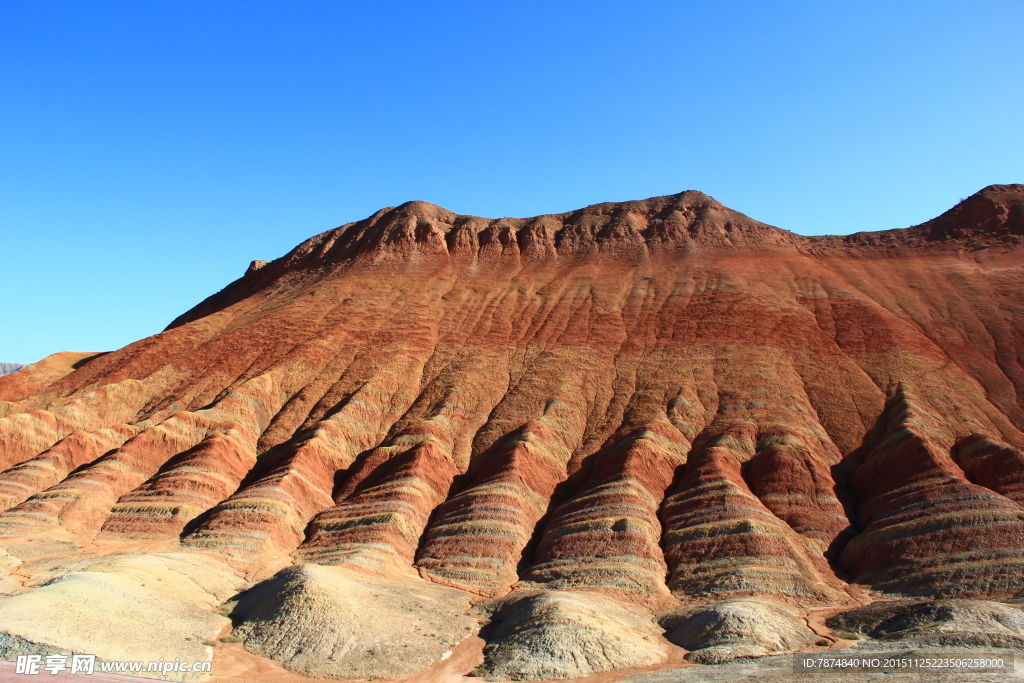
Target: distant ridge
x=8, y=368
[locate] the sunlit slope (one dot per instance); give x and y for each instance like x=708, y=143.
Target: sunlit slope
x=656, y=402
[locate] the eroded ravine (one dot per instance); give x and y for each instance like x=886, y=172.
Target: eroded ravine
x=583, y=428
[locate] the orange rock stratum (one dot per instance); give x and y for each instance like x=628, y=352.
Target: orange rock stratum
x=554, y=427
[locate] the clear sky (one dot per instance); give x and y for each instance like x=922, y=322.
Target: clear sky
x=150, y=150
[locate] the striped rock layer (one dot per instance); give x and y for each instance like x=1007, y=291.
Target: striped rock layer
x=661, y=401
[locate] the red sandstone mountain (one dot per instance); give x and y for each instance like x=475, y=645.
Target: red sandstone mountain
x=657, y=403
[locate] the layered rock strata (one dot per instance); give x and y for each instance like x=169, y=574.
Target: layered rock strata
x=587, y=421
x=926, y=529
x=606, y=536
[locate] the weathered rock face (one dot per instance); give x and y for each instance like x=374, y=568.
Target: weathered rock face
x=909, y=482
x=723, y=631
x=567, y=635
x=650, y=406
x=950, y=623
x=328, y=623
x=131, y=608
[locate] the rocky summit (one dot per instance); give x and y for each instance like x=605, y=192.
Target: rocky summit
x=637, y=435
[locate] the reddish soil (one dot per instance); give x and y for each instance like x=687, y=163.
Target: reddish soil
x=663, y=400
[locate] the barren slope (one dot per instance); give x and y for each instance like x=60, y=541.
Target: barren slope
x=656, y=403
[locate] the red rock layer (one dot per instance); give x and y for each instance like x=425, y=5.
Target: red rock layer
x=51, y=466
x=608, y=535
x=420, y=362
x=384, y=510
x=721, y=540
x=478, y=537
x=926, y=529
x=24, y=435
x=38, y=376
x=186, y=486
x=83, y=500
x=268, y=517
x=993, y=464
x=386, y=500
x=797, y=486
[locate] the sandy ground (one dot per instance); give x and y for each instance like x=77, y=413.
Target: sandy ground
x=232, y=664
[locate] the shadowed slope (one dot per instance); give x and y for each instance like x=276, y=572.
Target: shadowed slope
x=927, y=530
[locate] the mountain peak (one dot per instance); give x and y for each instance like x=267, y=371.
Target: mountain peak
x=419, y=234
x=995, y=211
x=600, y=427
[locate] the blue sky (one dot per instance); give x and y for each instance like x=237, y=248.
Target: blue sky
x=150, y=150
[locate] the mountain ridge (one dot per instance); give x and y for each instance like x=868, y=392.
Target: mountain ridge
x=703, y=222
x=585, y=428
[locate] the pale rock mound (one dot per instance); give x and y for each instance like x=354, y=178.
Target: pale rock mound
x=727, y=630
x=562, y=634
x=140, y=608
x=946, y=623
x=328, y=622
